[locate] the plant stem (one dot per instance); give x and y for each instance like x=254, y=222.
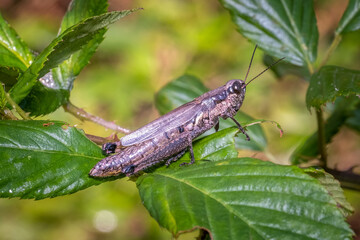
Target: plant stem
x=311, y=68
x=83, y=115
x=96, y=139
x=348, y=179
x=319, y=112
x=7, y=113
x=102, y=140
x=17, y=108
x=321, y=136
x=331, y=49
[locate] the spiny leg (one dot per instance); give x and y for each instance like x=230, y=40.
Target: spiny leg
x=241, y=128
x=191, y=150
x=175, y=158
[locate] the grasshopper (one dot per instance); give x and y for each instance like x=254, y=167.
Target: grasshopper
x=168, y=137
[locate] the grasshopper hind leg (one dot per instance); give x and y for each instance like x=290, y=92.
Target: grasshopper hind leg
x=175, y=158
x=191, y=150
x=179, y=155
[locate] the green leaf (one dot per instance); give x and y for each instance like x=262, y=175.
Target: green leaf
x=41, y=159
x=283, y=68
x=354, y=121
x=2, y=97
x=257, y=136
x=333, y=187
x=43, y=99
x=177, y=92
x=8, y=76
x=81, y=9
x=185, y=88
x=217, y=146
x=78, y=11
x=243, y=199
x=308, y=150
x=331, y=82
x=61, y=48
x=13, y=51
x=350, y=21
x=64, y=75
x=285, y=28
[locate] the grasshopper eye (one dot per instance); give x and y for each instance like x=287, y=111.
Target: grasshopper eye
x=236, y=87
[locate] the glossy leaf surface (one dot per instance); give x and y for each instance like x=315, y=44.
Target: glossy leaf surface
x=331, y=82
x=285, y=28
x=64, y=75
x=350, y=20
x=217, y=146
x=243, y=199
x=333, y=187
x=61, y=48
x=13, y=51
x=41, y=159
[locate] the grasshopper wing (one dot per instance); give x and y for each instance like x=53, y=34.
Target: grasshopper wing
x=171, y=120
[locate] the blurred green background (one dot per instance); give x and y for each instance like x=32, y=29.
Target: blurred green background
x=139, y=55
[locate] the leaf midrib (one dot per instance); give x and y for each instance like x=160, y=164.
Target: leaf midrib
x=216, y=200
x=52, y=152
x=15, y=53
x=297, y=33
x=230, y=209
x=283, y=26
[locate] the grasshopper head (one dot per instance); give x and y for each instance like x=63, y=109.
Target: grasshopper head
x=236, y=86
x=236, y=93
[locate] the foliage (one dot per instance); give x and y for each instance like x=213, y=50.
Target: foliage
x=232, y=192
x=230, y=197
x=33, y=165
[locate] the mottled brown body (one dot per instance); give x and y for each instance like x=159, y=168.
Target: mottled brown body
x=168, y=137
x=222, y=102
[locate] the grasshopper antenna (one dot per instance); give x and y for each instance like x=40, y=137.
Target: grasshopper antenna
x=264, y=70
x=252, y=57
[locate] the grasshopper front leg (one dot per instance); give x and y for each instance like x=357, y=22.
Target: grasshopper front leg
x=241, y=128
